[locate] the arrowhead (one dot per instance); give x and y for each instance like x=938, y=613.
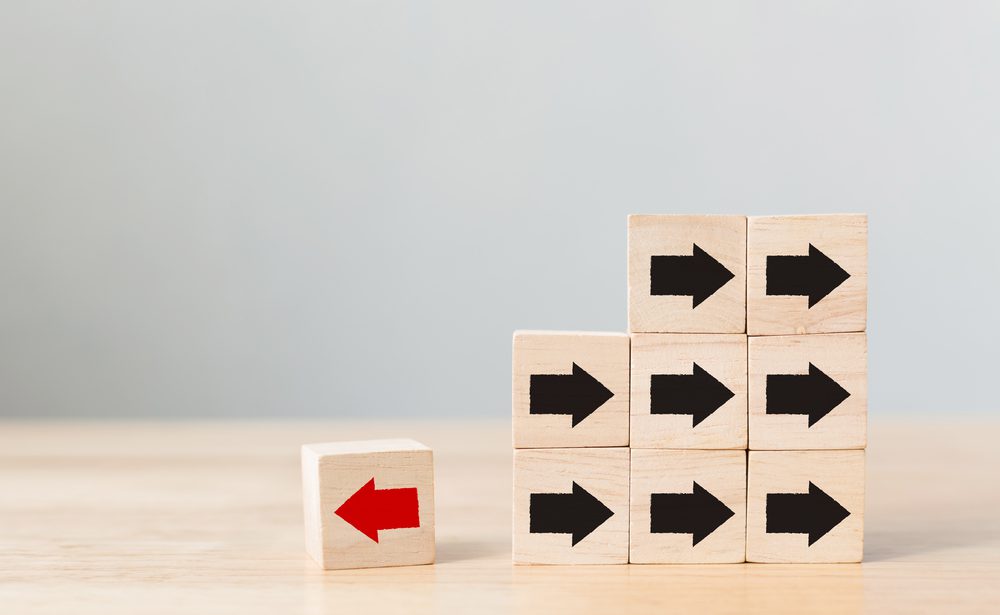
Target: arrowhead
x=825, y=513
x=359, y=510
x=588, y=394
x=710, y=274
x=825, y=275
x=713, y=513
x=826, y=394
x=588, y=513
x=711, y=395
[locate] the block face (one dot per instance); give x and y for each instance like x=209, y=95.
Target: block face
x=571, y=506
x=805, y=506
x=687, y=274
x=688, y=391
x=807, y=274
x=808, y=391
x=687, y=506
x=369, y=503
x=570, y=389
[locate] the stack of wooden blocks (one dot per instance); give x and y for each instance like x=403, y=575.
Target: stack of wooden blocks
x=728, y=425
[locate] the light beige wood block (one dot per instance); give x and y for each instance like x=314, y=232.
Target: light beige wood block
x=807, y=274
x=571, y=506
x=686, y=274
x=806, y=506
x=570, y=389
x=808, y=391
x=687, y=506
x=688, y=391
x=368, y=503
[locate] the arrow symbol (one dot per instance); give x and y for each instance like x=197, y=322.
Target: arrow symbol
x=698, y=394
x=815, y=394
x=698, y=275
x=698, y=513
x=814, y=513
x=578, y=394
x=577, y=513
x=370, y=510
x=815, y=275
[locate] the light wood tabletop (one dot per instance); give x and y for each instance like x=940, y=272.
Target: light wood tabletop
x=207, y=518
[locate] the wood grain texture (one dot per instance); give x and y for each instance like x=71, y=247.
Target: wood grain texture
x=722, y=237
x=723, y=356
x=841, y=237
x=721, y=473
x=177, y=518
x=839, y=474
x=843, y=358
x=603, y=473
x=604, y=356
x=334, y=472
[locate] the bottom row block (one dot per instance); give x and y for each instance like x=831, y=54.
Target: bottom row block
x=616, y=505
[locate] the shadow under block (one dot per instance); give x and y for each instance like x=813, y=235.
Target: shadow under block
x=368, y=503
x=807, y=274
x=808, y=391
x=570, y=389
x=805, y=506
x=687, y=507
x=571, y=506
x=688, y=391
x=687, y=274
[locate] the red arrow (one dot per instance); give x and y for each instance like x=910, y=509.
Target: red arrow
x=370, y=510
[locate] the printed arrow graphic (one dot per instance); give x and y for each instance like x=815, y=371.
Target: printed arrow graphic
x=577, y=513
x=815, y=394
x=370, y=509
x=698, y=513
x=814, y=513
x=698, y=394
x=578, y=394
x=815, y=275
x=698, y=275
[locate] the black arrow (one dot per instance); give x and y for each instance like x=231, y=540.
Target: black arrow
x=698, y=394
x=814, y=513
x=815, y=275
x=815, y=394
x=577, y=513
x=698, y=513
x=579, y=394
x=698, y=275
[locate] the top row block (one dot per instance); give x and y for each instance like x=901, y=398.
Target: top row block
x=767, y=275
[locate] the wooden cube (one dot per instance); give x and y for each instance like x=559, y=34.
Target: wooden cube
x=571, y=506
x=687, y=274
x=687, y=506
x=368, y=503
x=808, y=391
x=688, y=391
x=807, y=274
x=806, y=506
x=570, y=389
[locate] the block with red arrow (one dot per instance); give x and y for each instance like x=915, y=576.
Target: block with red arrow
x=369, y=503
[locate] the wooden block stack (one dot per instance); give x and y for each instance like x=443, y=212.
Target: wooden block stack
x=729, y=425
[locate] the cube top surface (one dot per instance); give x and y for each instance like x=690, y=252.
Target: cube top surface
x=321, y=449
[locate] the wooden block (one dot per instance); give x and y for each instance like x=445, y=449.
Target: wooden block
x=806, y=506
x=368, y=503
x=571, y=506
x=689, y=391
x=807, y=274
x=687, y=274
x=808, y=391
x=570, y=389
x=688, y=507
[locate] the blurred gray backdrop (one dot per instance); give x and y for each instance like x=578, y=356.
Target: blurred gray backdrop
x=268, y=209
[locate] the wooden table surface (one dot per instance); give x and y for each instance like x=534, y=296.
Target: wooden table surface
x=206, y=518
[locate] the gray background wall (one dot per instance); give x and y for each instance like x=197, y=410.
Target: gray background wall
x=256, y=209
